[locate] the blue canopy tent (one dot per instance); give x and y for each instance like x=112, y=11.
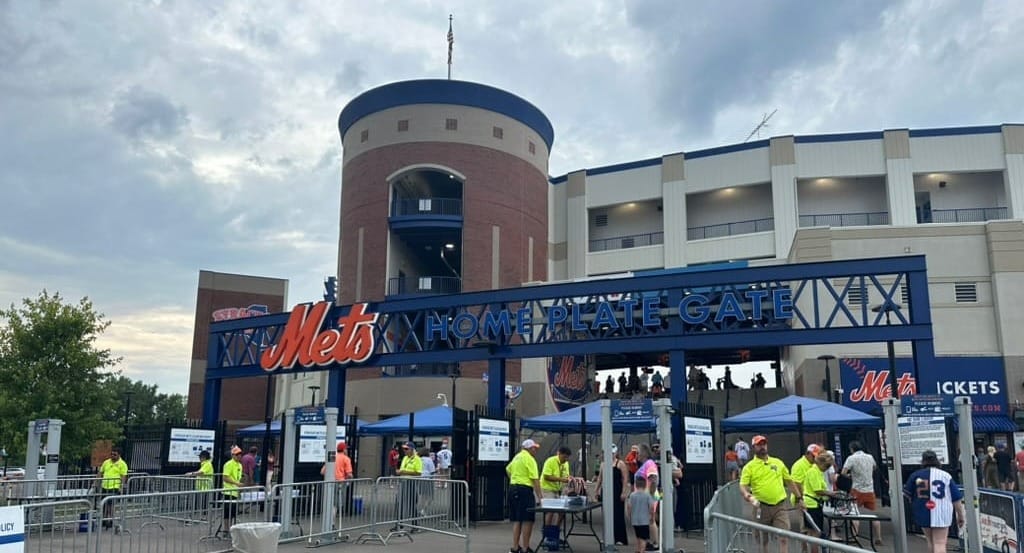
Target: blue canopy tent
x=781, y=416
x=275, y=428
x=435, y=421
x=569, y=421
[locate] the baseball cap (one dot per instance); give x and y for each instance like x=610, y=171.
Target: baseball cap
x=409, y=445
x=758, y=439
x=342, y=446
x=236, y=450
x=530, y=444
x=814, y=449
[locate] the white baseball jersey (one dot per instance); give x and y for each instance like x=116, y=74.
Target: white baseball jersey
x=444, y=458
x=932, y=493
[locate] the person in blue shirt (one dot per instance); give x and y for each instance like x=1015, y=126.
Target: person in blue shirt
x=934, y=497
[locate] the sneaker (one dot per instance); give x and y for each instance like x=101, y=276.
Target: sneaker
x=515, y=550
x=651, y=547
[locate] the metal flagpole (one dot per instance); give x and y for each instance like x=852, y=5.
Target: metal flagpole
x=451, y=41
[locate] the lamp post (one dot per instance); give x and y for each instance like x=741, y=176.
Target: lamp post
x=127, y=407
x=454, y=373
x=313, y=389
x=888, y=307
x=828, y=375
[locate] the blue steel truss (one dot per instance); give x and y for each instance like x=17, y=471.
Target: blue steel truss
x=832, y=303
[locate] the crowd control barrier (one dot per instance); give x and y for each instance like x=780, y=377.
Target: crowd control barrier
x=729, y=528
x=199, y=521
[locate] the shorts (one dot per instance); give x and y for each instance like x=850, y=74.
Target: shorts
x=864, y=499
x=230, y=507
x=642, y=532
x=520, y=501
x=775, y=515
x=818, y=516
x=732, y=466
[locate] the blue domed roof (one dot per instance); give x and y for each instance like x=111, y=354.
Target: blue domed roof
x=441, y=91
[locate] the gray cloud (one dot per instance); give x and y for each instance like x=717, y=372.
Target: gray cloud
x=141, y=113
x=143, y=145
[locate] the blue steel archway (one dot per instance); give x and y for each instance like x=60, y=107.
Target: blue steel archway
x=782, y=305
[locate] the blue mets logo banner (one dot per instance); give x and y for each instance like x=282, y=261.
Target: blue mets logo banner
x=569, y=380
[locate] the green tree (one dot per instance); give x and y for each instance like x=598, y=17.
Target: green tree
x=145, y=404
x=50, y=367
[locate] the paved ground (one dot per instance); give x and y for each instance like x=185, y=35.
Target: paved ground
x=488, y=537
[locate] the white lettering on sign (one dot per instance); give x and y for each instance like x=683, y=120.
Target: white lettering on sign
x=968, y=387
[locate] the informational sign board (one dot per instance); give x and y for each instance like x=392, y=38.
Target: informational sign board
x=12, y=530
x=699, y=441
x=628, y=410
x=999, y=522
x=313, y=442
x=42, y=426
x=186, y=443
x=927, y=405
x=309, y=415
x=918, y=434
x=494, y=441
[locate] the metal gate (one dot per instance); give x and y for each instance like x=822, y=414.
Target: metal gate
x=487, y=480
x=145, y=446
x=700, y=480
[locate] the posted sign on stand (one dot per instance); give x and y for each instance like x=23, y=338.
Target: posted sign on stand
x=12, y=530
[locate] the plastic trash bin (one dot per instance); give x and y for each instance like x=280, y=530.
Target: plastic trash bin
x=255, y=537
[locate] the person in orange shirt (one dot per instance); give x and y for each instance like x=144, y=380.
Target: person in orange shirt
x=732, y=464
x=342, y=472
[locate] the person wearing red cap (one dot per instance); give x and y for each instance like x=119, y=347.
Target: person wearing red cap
x=798, y=471
x=342, y=472
x=763, y=484
x=231, y=481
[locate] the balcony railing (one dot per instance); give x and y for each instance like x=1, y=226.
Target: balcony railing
x=426, y=206
x=424, y=286
x=845, y=219
x=730, y=229
x=963, y=215
x=422, y=369
x=624, y=242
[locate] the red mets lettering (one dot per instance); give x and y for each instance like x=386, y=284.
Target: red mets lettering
x=569, y=376
x=875, y=386
x=303, y=343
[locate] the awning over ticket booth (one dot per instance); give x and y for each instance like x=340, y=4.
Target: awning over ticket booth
x=435, y=421
x=989, y=424
x=781, y=416
x=275, y=428
x=570, y=421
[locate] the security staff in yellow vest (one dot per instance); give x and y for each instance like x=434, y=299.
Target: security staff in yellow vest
x=524, y=494
x=204, y=476
x=409, y=468
x=763, y=483
x=113, y=480
x=232, y=479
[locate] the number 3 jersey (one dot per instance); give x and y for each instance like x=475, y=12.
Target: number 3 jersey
x=932, y=493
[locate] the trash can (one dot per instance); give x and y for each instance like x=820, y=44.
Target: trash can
x=255, y=537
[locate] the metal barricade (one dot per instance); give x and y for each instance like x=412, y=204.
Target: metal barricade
x=20, y=492
x=403, y=507
x=58, y=526
x=322, y=513
x=298, y=507
x=728, y=528
x=157, y=484
x=173, y=522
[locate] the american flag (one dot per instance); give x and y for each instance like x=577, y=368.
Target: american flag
x=451, y=40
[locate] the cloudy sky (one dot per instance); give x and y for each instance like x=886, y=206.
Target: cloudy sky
x=143, y=141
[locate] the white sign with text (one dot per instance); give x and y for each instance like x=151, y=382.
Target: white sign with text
x=313, y=442
x=493, y=440
x=186, y=443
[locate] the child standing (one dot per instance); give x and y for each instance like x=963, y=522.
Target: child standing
x=640, y=512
